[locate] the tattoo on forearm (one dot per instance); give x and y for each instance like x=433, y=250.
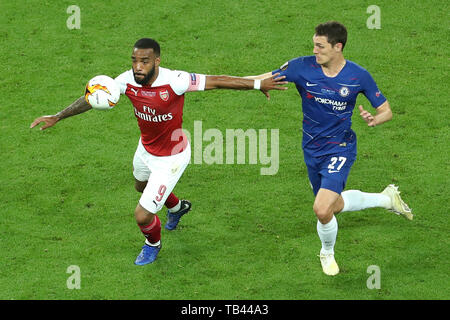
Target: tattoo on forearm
x=78, y=106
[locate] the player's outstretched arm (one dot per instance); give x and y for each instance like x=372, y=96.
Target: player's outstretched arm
x=262, y=77
x=78, y=106
x=273, y=82
x=383, y=114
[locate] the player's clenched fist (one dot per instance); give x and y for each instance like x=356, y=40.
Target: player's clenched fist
x=367, y=116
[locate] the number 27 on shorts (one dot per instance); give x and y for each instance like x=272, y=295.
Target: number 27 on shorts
x=336, y=161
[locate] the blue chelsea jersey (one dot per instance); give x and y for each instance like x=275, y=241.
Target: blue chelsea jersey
x=328, y=103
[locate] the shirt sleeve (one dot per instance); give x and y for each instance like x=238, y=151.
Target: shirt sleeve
x=123, y=79
x=182, y=82
x=371, y=91
x=288, y=69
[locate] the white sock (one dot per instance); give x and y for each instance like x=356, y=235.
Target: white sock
x=327, y=234
x=152, y=244
x=176, y=208
x=355, y=200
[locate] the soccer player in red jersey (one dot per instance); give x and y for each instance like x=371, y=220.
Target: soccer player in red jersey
x=163, y=151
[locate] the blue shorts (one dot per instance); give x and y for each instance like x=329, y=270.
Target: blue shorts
x=329, y=171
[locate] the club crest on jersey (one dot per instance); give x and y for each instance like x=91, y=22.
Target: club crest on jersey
x=164, y=95
x=344, y=91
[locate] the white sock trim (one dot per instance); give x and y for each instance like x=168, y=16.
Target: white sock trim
x=152, y=244
x=176, y=207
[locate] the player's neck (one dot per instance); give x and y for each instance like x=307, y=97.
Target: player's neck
x=333, y=67
x=153, y=79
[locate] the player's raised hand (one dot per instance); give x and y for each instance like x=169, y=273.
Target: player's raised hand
x=273, y=82
x=49, y=121
x=367, y=117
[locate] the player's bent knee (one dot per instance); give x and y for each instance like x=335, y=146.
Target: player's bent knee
x=143, y=217
x=323, y=213
x=140, y=185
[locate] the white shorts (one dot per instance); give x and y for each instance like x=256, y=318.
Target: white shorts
x=162, y=174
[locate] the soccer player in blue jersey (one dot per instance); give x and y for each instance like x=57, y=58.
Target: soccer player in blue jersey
x=328, y=85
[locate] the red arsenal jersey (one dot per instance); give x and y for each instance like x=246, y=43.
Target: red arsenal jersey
x=159, y=108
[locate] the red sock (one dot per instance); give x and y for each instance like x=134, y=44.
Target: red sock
x=152, y=231
x=171, y=201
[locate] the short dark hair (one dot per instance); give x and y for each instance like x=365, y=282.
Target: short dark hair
x=147, y=43
x=334, y=31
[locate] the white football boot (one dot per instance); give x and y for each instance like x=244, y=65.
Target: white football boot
x=329, y=265
x=398, y=206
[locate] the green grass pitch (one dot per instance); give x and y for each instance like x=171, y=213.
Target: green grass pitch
x=67, y=196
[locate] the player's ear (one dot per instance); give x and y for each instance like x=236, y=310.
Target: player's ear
x=157, y=61
x=338, y=47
